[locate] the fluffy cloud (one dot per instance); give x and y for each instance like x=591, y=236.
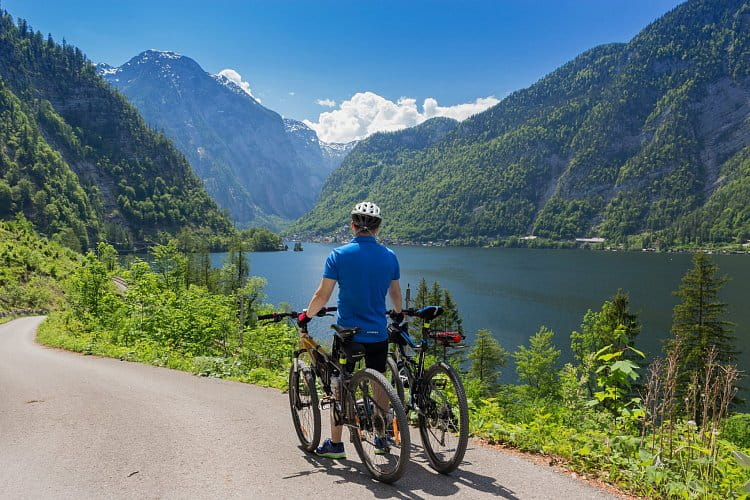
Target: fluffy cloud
x=236, y=78
x=328, y=103
x=366, y=113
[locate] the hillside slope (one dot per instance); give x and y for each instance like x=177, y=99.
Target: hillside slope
x=78, y=160
x=643, y=137
x=255, y=164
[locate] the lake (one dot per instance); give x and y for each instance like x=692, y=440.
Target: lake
x=514, y=291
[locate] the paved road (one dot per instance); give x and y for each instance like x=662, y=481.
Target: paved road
x=80, y=427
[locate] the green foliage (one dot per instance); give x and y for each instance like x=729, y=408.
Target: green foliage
x=31, y=268
x=614, y=325
x=487, y=357
x=535, y=364
x=260, y=239
x=615, y=376
x=163, y=318
x=737, y=430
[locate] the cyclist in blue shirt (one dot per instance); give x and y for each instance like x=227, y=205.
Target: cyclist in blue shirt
x=366, y=272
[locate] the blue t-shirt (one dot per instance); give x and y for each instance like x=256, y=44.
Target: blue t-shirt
x=364, y=270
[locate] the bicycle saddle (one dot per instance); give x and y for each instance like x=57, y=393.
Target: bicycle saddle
x=345, y=333
x=352, y=351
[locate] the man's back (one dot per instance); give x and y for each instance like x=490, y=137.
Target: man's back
x=364, y=270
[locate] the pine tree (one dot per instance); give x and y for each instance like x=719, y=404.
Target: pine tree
x=487, y=358
x=697, y=323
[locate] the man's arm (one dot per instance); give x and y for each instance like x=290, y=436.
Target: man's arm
x=394, y=293
x=322, y=295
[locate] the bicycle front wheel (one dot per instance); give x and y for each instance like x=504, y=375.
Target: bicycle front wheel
x=380, y=431
x=443, y=418
x=303, y=401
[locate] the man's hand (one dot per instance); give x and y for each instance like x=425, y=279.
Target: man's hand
x=397, y=317
x=302, y=320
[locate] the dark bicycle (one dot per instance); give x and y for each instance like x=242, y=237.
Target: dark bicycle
x=436, y=394
x=362, y=401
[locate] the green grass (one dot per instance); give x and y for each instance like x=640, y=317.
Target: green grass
x=60, y=330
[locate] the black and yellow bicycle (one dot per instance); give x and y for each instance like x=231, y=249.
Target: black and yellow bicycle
x=362, y=401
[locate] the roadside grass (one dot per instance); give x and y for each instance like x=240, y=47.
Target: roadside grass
x=61, y=330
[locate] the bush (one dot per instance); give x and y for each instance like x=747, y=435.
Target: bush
x=737, y=430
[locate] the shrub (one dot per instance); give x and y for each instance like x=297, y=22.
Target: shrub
x=737, y=430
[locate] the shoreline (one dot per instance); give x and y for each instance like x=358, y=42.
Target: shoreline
x=542, y=245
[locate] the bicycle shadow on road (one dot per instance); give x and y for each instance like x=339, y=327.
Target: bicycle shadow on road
x=418, y=481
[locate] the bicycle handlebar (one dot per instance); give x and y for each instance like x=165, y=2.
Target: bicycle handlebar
x=276, y=317
x=426, y=313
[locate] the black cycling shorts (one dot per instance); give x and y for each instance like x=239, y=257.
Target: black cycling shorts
x=376, y=355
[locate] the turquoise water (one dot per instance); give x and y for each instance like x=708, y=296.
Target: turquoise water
x=514, y=291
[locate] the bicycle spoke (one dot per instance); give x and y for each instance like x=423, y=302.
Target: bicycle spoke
x=378, y=437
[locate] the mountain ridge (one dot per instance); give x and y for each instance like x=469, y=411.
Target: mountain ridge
x=249, y=160
x=624, y=141
x=78, y=160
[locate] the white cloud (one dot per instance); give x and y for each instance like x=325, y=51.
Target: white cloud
x=292, y=94
x=366, y=113
x=236, y=78
x=328, y=103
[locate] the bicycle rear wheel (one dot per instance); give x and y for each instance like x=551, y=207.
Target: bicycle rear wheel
x=443, y=418
x=380, y=432
x=303, y=401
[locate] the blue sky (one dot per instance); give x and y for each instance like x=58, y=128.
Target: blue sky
x=294, y=53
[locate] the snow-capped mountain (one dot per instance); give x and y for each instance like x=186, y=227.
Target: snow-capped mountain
x=319, y=156
x=248, y=159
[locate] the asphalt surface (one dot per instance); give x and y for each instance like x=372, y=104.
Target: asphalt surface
x=74, y=426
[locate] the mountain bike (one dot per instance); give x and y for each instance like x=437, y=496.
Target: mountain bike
x=436, y=394
x=362, y=401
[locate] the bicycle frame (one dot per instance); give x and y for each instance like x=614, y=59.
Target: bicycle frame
x=414, y=369
x=323, y=365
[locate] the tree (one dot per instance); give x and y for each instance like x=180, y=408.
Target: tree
x=614, y=325
x=697, y=323
x=535, y=365
x=171, y=265
x=450, y=320
x=487, y=358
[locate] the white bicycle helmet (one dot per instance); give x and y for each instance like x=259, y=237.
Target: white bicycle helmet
x=366, y=216
x=367, y=208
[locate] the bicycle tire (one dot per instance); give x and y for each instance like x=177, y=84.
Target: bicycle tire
x=394, y=378
x=440, y=415
x=302, y=384
x=399, y=427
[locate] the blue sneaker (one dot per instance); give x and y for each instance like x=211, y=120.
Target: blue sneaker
x=329, y=449
x=381, y=446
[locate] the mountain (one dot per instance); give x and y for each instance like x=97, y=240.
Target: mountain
x=645, y=138
x=78, y=160
x=321, y=158
x=257, y=165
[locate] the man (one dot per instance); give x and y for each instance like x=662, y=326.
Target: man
x=366, y=272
